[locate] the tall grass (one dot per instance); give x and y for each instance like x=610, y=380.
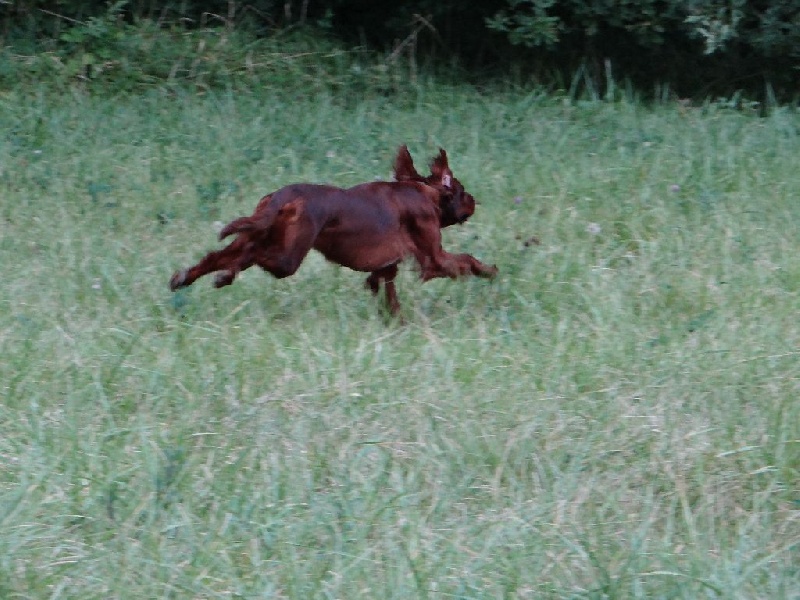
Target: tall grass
x=615, y=416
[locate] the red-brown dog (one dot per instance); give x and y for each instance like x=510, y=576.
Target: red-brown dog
x=371, y=227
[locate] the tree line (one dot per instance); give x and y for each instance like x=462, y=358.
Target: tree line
x=697, y=47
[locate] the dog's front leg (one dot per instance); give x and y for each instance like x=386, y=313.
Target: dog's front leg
x=455, y=266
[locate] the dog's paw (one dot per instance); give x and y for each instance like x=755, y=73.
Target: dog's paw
x=224, y=278
x=490, y=272
x=178, y=280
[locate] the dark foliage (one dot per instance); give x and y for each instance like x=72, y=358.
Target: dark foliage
x=699, y=48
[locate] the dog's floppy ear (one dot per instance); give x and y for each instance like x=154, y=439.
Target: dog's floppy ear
x=404, y=166
x=440, y=170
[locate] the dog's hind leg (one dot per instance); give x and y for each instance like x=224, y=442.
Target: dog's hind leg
x=373, y=282
x=291, y=237
x=230, y=261
x=387, y=275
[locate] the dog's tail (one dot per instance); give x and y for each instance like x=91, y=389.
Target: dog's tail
x=285, y=211
x=243, y=225
x=262, y=218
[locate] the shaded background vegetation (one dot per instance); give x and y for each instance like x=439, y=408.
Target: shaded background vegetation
x=698, y=48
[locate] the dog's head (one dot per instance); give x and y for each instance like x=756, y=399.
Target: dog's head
x=456, y=205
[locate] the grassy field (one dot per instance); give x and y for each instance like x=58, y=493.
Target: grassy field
x=616, y=416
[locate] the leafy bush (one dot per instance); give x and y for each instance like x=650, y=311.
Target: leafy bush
x=699, y=47
x=109, y=49
x=690, y=42
x=772, y=28
x=544, y=22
